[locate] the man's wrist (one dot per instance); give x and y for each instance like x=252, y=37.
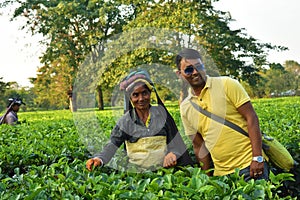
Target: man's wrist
x=259, y=159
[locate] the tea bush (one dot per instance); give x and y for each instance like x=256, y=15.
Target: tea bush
x=44, y=158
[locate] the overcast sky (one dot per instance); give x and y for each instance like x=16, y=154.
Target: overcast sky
x=270, y=21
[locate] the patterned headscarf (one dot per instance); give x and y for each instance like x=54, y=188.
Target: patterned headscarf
x=134, y=77
x=15, y=101
x=128, y=83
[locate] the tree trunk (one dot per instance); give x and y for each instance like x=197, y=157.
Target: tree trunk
x=72, y=101
x=100, y=98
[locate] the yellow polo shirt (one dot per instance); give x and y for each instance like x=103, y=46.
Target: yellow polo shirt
x=222, y=96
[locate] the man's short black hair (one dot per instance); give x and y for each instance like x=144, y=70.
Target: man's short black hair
x=187, y=54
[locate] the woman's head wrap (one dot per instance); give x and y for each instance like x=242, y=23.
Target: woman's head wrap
x=128, y=83
x=135, y=77
x=15, y=101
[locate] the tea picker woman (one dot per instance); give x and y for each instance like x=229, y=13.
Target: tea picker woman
x=149, y=132
x=11, y=117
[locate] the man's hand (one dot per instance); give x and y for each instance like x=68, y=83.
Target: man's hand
x=93, y=162
x=256, y=169
x=170, y=160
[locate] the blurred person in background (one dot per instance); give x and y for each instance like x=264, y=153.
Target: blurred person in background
x=11, y=117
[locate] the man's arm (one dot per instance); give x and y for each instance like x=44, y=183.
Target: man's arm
x=200, y=150
x=248, y=112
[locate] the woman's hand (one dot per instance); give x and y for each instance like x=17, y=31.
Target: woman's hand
x=93, y=162
x=170, y=160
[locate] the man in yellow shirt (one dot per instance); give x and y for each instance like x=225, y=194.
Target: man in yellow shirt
x=225, y=97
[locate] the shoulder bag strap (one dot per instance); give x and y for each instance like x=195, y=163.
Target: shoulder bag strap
x=219, y=119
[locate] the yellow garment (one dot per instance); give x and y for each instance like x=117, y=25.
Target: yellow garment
x=148, y=120
x=147, y=151
x=221, y=96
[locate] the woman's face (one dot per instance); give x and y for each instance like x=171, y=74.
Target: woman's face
x=140, y=97
x=15, y=107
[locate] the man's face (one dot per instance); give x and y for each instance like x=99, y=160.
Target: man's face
x=193, y=72
x=140, y=97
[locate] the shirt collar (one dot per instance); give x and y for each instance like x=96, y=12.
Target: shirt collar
x=191, y=93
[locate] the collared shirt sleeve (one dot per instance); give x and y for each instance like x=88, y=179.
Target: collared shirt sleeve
x=236, y=92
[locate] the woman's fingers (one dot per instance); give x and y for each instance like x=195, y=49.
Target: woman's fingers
x=93, y=162
x=89, y=164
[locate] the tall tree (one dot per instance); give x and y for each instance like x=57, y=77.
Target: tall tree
x=233, y=51
x=75, y=30
x=72, y=30
x=278, y=79
x=3, y=85
x=3, y=88
x=13, y=90
x=294, y=68
x=190, y=24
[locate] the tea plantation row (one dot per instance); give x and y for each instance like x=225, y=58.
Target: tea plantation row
x=44, y=158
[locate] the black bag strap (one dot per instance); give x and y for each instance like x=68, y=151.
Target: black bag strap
x=226, y=122
x=219, y=119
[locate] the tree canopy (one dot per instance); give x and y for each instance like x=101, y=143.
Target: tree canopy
x=79, y=29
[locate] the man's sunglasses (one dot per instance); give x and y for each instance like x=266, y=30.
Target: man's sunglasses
x=190, y=69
